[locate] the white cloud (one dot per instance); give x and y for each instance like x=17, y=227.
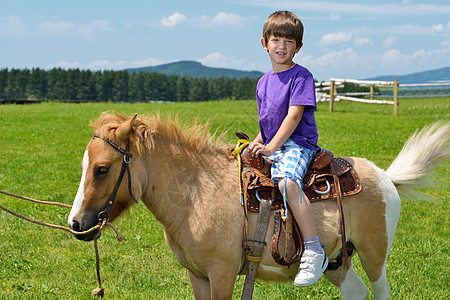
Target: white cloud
x=390, y=41
x=148, y=62
x=428, y=59
x=362, y=41
x=13, y=26
x=437, y=28
x=394, y=56
x=67, y=65
x=333, y=59
x=218, y=60
x=335, y=38
x=107, y=65
x=214, y=59
x=221, y=19
x=173, y=20
x=205, y=21
x=123, y=64
x=358, y=8
x=90, y=29
x=446, y=44
x=17, y=27
x=54, y=28
x=110, y=65
x=334, y=17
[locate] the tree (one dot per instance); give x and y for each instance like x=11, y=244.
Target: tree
x=104, y=85
x=72, y=84
x=37, y=84
x=171, y=88
x=120, y=86
x=57, y=81
x=183, y=88
x=86, y=86
x=246, y=88
x=198, y=90
x=3, y=82
x=136, y=87
x=16, y=84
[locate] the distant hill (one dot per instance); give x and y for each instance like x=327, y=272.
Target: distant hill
x=421, y=77
x=196, y=69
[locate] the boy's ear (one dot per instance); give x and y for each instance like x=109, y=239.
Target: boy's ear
x=298, y=48
x=263, y=43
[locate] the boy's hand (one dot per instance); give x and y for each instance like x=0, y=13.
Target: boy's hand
x=258, y=148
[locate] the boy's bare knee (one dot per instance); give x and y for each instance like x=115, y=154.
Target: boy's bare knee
x=291, y=185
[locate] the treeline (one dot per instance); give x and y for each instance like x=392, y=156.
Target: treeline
x=118, y=86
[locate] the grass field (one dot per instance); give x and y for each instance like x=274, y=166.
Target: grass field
x=41, y=147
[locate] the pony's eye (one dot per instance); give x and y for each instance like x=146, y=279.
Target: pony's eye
x=102, y=170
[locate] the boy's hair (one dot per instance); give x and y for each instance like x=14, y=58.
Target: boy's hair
x=283, y=24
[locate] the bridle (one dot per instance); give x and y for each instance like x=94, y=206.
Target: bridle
x=125, y=167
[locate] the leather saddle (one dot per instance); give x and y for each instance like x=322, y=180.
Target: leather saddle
x=328, y=177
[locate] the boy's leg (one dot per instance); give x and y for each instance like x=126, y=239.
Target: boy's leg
x=302, y=212
x=313, y=261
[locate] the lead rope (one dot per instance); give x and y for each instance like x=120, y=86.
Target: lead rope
x=99, y=291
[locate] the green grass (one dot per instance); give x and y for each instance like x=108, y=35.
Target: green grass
x=41, y=147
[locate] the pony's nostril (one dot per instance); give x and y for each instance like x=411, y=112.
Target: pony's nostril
x=76, y=226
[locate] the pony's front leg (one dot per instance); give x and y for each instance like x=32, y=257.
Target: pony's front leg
x=222, y=280
x=200, y=285
x=217, y=287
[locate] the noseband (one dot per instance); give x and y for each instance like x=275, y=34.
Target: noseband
x=125, y=166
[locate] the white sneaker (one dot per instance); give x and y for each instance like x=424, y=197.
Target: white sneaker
x=311, y=268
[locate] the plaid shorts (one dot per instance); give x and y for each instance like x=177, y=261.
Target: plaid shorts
x=291, y=161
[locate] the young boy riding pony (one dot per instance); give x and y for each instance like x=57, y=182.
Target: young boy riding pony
x=288, y=132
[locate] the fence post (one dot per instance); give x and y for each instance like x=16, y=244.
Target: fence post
x=395, y=96
x=371, y=92
x=331, y=95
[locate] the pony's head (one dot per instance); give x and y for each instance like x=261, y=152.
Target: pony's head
x=105, y=187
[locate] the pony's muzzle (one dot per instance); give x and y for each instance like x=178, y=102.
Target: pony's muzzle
x=77, y=226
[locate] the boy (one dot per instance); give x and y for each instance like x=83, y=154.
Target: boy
x=288, y=132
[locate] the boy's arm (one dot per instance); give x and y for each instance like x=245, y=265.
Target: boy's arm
x=286, y=129
x=258, y=140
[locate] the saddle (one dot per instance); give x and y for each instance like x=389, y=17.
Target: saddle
x=328, y=177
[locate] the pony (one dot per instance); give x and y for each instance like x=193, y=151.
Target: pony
x=189, y=180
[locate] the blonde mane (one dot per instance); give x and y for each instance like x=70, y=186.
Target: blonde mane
x=195, y=137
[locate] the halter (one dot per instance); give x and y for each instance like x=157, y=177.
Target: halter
x=125, y=166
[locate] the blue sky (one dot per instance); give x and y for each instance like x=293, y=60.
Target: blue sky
x=343, y=39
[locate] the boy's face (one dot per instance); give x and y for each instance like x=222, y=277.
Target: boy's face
x=281, y=52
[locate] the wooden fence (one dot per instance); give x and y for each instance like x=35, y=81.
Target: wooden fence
x=326, y=91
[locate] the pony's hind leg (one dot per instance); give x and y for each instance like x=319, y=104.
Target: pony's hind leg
x=348, y=283
x=381, y=289
x=374, y=253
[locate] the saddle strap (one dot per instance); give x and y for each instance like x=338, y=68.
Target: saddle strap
x=254, y=255
x=337, y=187
x=293, y=243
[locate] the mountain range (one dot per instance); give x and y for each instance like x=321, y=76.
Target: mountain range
x=442, y=74
x=196, y=69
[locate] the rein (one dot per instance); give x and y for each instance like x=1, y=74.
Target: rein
x=99, y=291
x=125, y=167
x=103, y=216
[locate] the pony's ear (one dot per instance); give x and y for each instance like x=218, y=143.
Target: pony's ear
x=123, y=131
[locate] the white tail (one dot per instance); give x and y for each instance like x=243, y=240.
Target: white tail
x=422, y=152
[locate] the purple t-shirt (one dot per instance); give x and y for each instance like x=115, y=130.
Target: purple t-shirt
x=275, y=92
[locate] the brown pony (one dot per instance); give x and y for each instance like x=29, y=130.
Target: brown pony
x=189, y=181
